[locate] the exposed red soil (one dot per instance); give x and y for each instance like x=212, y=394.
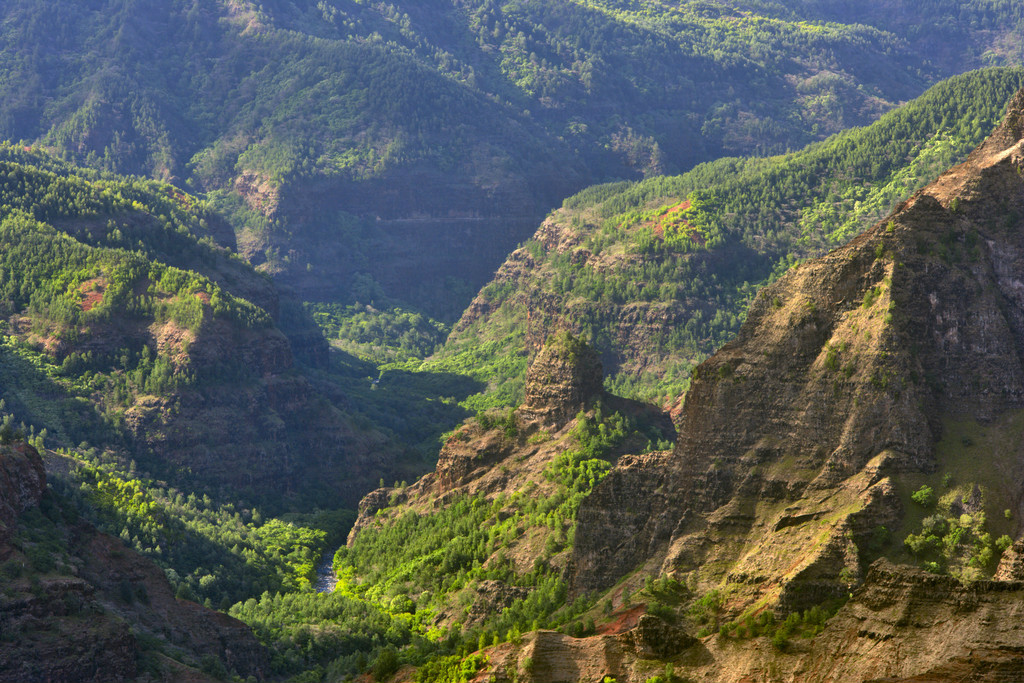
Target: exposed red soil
x=659, y=223
x=623, y=622
x=93, y=292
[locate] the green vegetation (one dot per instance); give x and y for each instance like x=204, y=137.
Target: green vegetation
x=413, y=564
x=665, y=268
x=452, y=669
x=379, y=336
x=924, y=496
x=108, y=283
x=395, y=578
x=217, y=554
x=956, y=519
x=81, y=276
x=806, y=624
x=958, y=544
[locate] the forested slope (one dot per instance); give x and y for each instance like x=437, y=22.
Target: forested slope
x=382, y=152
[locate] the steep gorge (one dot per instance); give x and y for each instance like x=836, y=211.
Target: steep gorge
x=866, y=418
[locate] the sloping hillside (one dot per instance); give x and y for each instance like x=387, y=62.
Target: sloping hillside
x=126, y=327
x=78, y=605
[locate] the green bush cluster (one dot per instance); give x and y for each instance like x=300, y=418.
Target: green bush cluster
x=955, y=537
x=806, y=624
x=391, y=335
x=452, y=669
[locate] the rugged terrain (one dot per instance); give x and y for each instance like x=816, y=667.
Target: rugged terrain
x=840, y=382
x=817, y=510
x=529, y=464
x=128, y=329
x=357, y=144
x=78, y=605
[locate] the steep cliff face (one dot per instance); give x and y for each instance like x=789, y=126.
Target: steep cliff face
x=893, y=362
x=660, y=273
x=563, y=379
x=795, y=436
x=22, y=482
x=902, y=624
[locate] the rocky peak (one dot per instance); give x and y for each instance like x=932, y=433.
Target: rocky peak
x=565, y=377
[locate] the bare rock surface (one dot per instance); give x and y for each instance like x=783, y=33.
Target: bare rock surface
x=563, y=379
x=907, y=625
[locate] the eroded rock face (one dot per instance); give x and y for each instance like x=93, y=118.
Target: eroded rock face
x=654, y=638
x=80, y=621
x=201, y=631
x=564, y=378
x=553, y=657
x=790, y=435
x=1011, y=565
x=905, y=624
x=494, y=596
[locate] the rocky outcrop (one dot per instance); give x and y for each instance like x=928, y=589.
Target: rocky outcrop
x=58, y=635
x=370, y=504
x=563, y=379
x=259, y=192
x=1011, y=565
x=792, y=435
x=88, y=626
x=494, y=596
x=468, y=455
x=553, y=657
x=500, y=456
x=907, y=625
x=22, y=482
x=654, y=638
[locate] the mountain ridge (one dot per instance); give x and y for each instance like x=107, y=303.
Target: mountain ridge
x=658, y=274
x=856, y=359
x=462, y=116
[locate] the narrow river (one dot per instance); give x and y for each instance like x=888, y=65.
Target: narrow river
x=325, y=578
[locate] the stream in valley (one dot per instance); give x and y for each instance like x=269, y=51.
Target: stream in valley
x=325, y=578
